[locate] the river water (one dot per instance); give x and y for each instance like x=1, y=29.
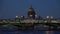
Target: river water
x=14, y=30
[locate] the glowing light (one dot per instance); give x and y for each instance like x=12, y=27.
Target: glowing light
x=51, y=17
x=16, y=16
x=47, y=17
x=21, y=16
x=30, y=15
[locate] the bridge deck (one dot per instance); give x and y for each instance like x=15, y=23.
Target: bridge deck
x=32, y=26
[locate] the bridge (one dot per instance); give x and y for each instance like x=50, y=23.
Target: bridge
x=32, y=26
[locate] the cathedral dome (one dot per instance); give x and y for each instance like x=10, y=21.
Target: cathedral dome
x=31, y=12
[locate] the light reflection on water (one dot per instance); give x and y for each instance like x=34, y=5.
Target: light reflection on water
x=13, y=30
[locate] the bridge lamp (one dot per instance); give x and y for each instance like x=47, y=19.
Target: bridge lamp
x=16, y=16
x=47, y=17
x=51, y=17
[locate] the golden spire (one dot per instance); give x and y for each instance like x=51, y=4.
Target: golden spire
x=31, y=13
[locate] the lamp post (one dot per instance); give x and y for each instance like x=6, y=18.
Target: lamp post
x=17, y=19
x=49, y=21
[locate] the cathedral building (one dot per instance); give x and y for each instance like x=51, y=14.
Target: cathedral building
x=31, y=13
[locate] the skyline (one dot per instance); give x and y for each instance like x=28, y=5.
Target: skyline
x=43, y=8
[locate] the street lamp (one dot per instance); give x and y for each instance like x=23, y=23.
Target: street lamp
x=16, y=16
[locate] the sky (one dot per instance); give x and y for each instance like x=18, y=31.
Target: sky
x=43, y=8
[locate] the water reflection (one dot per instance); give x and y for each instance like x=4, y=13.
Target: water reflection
x=14, y=30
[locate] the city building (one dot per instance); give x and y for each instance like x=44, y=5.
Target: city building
x=32, y=18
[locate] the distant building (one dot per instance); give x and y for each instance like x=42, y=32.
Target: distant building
x=32, y=17
x=31, y=13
